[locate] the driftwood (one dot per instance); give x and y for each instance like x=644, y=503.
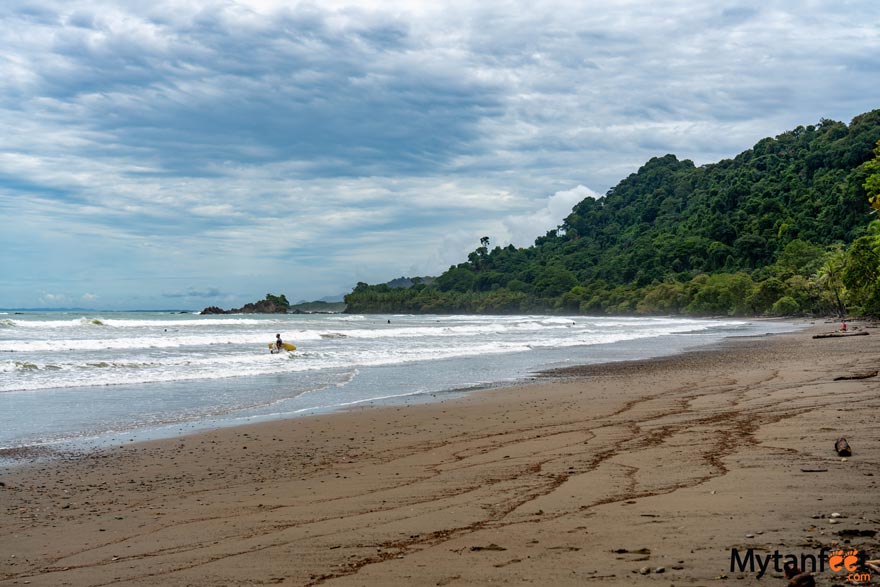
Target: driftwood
x=841, y=334
x=874, y=565
x=491, y=546
x=856, y=376
x=842, y=447
x=814, y=470
x=856, y=532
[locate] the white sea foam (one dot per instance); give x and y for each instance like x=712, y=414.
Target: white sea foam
x=125, y=351
x=72, y=376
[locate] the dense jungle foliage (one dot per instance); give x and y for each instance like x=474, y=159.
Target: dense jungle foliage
x=785, y=228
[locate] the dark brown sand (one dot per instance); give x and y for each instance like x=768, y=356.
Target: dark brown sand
x=640, y=473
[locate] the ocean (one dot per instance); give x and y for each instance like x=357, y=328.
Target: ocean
x=74, y=380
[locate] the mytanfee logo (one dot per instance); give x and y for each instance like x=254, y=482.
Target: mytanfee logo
x=847, y=564
x=850, y=562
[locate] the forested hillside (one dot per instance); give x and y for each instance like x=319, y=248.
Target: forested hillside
x=783, y=228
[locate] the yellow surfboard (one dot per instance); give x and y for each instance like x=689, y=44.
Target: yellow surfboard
x=287, y=346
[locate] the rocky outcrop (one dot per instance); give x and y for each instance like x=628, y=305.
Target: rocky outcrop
x=261, y=307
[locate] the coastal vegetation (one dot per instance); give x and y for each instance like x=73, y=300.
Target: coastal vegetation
x=787, y=227
x=317, y=307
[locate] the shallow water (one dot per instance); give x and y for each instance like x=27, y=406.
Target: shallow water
x=73, y=379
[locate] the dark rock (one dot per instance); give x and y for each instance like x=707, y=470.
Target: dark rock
x=261, y=307
x=857, y=532
x=842, y=447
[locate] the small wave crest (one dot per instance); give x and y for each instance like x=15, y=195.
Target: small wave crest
x=348, y=378
x=85, y=321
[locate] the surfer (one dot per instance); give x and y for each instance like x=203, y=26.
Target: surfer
x=278, y=343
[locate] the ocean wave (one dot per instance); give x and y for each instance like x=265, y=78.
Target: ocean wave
x=96, y=356
x=83, y=321
x=333, y=335
x=185, y=342
x=100, y=372
x=129, y=323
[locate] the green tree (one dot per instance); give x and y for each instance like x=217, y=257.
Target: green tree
x=765, y=294
x=799, y=257
x=830, y=277
x=554, y=281
x=872, y=182
x=722, y=293
x=785, y=306
x=279, y=301
x=861, y=274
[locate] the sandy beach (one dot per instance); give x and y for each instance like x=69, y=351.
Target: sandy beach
x=639, y=473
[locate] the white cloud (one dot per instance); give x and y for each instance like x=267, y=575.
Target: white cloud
x=53, y=299
x=522, y=230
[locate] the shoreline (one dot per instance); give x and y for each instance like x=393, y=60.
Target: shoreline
x=35, y=454
x=592, y=475
x=97, y=428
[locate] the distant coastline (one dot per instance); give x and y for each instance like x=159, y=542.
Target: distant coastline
x=168, y=311
x=50, y=310
x=279, y=305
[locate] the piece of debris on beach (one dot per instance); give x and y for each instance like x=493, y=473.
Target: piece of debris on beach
x=841, y=334
x=867, y=375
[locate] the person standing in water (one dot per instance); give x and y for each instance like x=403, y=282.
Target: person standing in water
x=278, y=344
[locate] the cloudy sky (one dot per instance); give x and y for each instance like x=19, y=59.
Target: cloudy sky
x=183, y=153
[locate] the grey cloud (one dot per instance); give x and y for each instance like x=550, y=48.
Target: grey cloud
x=736, y=15
x=210, y=90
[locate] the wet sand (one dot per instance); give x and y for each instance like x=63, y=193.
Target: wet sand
x=639, y=473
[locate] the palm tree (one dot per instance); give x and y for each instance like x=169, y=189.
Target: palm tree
x=830, y=277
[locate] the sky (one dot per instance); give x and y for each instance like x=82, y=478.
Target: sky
x=178, y=154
